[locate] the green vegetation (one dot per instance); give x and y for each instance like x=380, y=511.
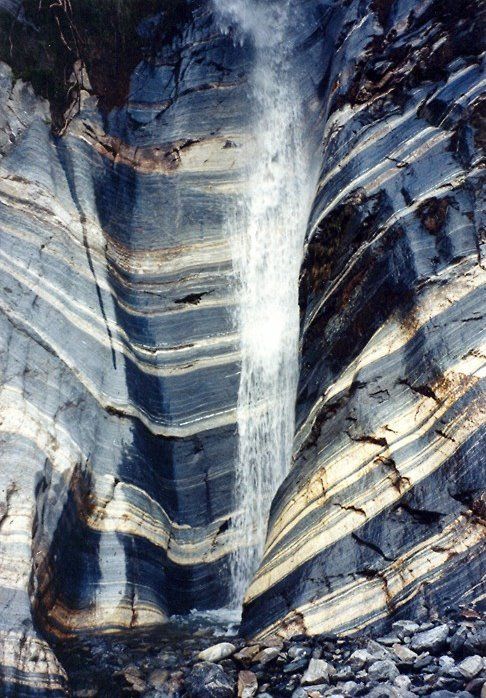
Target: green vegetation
x=101, y=33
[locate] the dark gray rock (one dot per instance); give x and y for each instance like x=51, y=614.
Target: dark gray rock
x=432, y=640
x=295, y=665
x=299, y=651
x=208, y=680
x=450, y=694
x=383, y=670
x=475, y=642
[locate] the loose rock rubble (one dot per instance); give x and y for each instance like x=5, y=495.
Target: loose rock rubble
x=441, y=659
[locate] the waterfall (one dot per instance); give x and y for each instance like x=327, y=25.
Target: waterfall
x=266, y=228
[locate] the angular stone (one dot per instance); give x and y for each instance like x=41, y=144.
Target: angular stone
x=268, y=654
x=208, y=680
x=359, y=658
x=132, y=675
x=318, y=671
x=247, y=684
x=422, y=661
x=246, y=655
x=432, y=640
x=217, y=652
x=299, y=651
x=471, y=666
x=405, y=627
x=389, y=640
x=377, y=651
x=404, y=654
x=402, y=682
x=383, y=670
x=158, y=677
x=458, y=639
x=300, y=693
x=384, y=691
x=476, y=641
x=295, y=665
x=344, y=673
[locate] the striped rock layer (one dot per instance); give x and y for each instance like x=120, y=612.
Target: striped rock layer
x=383, y=514
x=119, y=362
x=119, y=354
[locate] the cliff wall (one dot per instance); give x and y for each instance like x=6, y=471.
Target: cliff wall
x=383, y=513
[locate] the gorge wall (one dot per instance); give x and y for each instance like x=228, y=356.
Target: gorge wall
x=120, y=357
x=383, y=513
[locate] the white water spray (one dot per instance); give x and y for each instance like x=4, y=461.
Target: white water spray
x=267, y=229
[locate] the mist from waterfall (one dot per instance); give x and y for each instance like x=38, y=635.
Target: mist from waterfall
x=267, y=228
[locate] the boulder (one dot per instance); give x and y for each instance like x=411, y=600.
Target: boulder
x=268, y=654
x=299, y=651
x=132, y=675
x=432, y=640
x=247, y=684
x=383, y=670
x=359, y=658
x=350, y=688
x=404, y=654
x=377, y=651
x=384, y=691
x=158, y=678
x=246, y=655
x=471, y=666
x=476, y=641
x=405, y=627
x=447, y=666
x=295, y=665
x=217, y=652
x=208, y=680
x=318, y=671
x=402, y=682
x=423, y=661
x=389, y=640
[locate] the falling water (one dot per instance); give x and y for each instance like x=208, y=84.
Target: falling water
x=267, y=229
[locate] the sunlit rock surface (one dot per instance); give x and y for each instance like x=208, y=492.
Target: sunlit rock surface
x=383, y=512
x=118, y=352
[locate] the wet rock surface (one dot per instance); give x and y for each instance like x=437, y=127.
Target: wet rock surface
x=167, y=663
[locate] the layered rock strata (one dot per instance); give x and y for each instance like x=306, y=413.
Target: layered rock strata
x=119, y=353
x=383, y=513
x=119, y=356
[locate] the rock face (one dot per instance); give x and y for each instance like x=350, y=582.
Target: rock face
x=118, y=354
x=383, y=512
x=119, y=357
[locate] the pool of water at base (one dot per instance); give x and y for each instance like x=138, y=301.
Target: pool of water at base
x=98, y=664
